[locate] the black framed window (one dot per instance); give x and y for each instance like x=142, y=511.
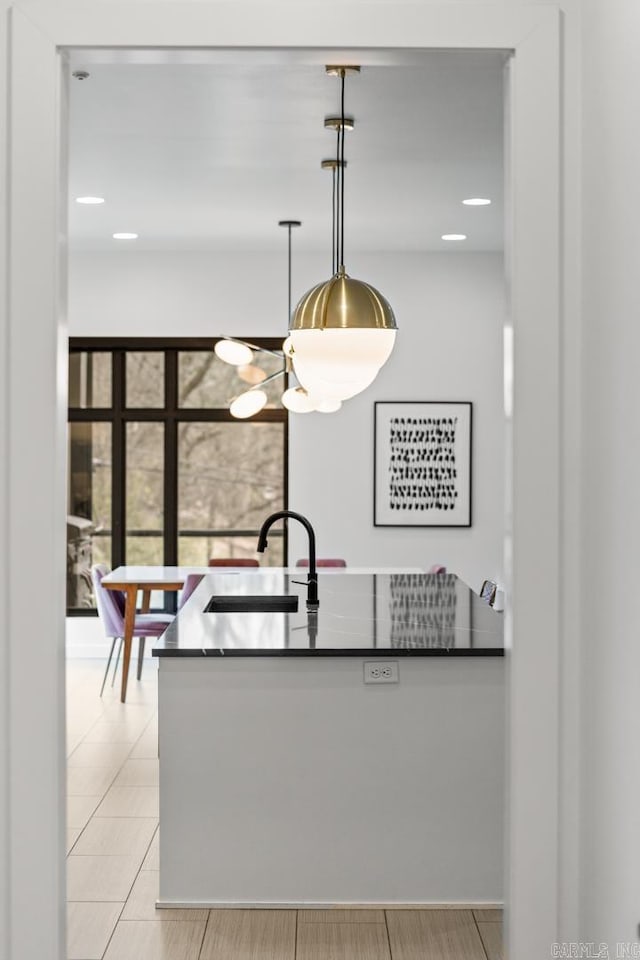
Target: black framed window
x=159, y=470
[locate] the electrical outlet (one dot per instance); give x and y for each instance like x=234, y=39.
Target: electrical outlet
x=381, y=671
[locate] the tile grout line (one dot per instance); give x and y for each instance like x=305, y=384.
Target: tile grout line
x=386, y=927
x=484, y=949
x=114, y=929
x=204, y=934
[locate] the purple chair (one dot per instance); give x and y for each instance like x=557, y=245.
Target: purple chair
x=191, y=581
x=110, y=605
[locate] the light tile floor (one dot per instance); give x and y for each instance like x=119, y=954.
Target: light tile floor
x=112, y=866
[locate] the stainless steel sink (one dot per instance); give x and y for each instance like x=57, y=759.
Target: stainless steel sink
x=237, y=603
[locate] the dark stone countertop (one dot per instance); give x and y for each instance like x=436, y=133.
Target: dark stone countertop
x=379, y=614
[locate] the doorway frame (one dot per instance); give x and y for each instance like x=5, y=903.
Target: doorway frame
x=32, y=434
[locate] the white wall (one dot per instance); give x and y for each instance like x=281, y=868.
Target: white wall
x=611, y=469
x=450, y=311
x=5, y=734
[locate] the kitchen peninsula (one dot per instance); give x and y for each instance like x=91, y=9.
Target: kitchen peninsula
x=294, y=771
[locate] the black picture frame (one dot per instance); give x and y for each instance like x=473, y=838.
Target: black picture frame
x=422, y=456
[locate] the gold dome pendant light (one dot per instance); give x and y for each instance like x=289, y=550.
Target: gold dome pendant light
x=343, y=330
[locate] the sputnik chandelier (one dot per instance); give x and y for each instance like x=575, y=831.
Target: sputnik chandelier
x=241, y=354
x=342, y=331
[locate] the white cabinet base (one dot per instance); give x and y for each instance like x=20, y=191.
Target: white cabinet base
x=288, y=782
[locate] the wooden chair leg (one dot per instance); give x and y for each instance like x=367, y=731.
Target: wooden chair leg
x=140, y=655
x=106, y=672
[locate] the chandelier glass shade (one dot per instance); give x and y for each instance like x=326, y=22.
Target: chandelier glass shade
x=297, y=400
x=234, y=352
x=247, y=404
x=251, y=374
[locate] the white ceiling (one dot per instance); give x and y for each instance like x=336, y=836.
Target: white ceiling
x=207, y=151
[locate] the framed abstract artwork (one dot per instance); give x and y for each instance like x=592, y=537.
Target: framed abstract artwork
x=422, y=464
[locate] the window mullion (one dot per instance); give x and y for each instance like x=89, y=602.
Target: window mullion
x=171, y=463
x=119, y=465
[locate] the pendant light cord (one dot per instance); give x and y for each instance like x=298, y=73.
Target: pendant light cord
x=289, y=224
x=289, y=277
x=334, y=255
x=341, y=171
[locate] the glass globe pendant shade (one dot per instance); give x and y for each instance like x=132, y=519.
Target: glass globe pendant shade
x=310, y=375
x=338, y=364
x=342, y=332
x=237, y=354
x=247, y=404
x=297, y=400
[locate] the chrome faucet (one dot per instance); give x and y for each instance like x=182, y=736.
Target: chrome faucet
x=312, y=577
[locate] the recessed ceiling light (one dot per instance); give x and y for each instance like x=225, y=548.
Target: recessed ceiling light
x=454, y=236
x=477, y=202
x=89, y=199
x=125, y=236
